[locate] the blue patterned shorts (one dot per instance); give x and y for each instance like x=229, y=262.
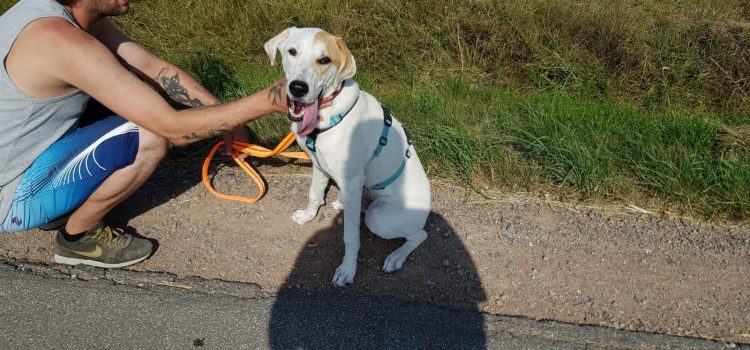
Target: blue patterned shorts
x=69, y=171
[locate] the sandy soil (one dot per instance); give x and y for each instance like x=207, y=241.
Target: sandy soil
x=515, y=255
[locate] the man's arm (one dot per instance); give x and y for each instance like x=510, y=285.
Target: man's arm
x=83, y=61
x=166, y=77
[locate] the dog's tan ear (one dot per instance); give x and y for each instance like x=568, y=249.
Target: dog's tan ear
x=348, y=65
x=272, y=46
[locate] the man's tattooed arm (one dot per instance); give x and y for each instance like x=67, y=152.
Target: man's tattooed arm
x=174, y=89
x=200, y=135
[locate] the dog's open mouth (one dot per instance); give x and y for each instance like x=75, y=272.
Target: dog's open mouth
x=304, y=113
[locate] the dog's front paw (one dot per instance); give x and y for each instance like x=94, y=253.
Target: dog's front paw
x=303, y=216
x=345, y=274
x=337, y=205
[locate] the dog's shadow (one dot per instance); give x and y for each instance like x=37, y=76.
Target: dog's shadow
x=432, y=302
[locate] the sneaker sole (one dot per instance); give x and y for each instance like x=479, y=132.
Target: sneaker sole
x=73, y=261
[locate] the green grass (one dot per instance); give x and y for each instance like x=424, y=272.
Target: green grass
x=635, y=101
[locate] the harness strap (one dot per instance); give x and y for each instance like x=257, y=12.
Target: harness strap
x=390, y=180
x=382, y=142
x=335, y=120
x=387, y=122
x=338, y=117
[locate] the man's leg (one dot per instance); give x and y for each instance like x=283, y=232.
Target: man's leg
x=88, y=172
x=120, y=185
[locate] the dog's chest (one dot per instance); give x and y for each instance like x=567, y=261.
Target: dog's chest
x=373, y=144
x=333, y=151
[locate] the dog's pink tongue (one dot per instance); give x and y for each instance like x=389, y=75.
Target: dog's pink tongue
x=309, y=119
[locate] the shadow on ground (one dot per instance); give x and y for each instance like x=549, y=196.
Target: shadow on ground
x=376, y=322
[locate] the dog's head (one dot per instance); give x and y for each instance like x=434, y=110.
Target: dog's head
x=315, y=64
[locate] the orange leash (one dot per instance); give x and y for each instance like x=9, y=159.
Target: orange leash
x=255, y=151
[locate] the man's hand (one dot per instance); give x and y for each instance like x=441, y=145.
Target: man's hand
x=240, y=134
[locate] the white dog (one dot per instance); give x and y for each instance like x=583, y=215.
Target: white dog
x=356, y=142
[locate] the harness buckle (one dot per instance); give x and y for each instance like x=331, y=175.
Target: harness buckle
x=408, y=153
x=408, y=135
x=383, y=140
x=310, y=143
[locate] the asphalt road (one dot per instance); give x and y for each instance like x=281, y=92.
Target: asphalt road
x=52, y=307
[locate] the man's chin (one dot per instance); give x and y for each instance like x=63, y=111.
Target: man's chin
x=117, y=12
x=122, y=9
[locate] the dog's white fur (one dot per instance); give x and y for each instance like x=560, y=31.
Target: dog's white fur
x=343, y=151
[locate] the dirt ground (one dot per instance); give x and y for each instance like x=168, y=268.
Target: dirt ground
x=514, y=255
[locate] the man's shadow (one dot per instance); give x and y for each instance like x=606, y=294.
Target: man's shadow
x=431, y=302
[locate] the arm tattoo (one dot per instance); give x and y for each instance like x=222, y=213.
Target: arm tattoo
x=275, y=94
x=198, y=135
x=175, y=90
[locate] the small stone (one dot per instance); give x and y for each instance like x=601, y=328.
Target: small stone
x=446, y=263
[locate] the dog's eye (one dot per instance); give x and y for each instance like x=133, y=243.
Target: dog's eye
x=324, y=60
x=293, y=52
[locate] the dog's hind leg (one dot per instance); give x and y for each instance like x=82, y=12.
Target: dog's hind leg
x=316, y=198
x=394, y=221
x=395, y=260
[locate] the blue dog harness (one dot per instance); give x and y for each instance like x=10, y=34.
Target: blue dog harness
x=387, y=122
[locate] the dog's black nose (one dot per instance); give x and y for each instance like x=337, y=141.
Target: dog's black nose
x=298, y=88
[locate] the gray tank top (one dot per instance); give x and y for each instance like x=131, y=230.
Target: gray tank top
x=29, y=125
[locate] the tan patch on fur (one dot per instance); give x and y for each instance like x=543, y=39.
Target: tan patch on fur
x=339, y=54
x=331, y=49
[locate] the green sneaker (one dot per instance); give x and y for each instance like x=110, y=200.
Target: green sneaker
x=102, y=246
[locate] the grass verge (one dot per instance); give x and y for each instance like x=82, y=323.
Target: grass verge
x=630, y=101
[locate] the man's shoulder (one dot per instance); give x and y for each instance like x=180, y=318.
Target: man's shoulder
x=56, y=34
x=52, y=27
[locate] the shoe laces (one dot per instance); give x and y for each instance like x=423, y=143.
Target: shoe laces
x=112, y=236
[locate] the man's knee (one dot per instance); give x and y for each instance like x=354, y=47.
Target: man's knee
x=151, y=147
